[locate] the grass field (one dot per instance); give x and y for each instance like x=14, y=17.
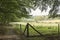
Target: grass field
x=50, y=29
x=44, y=28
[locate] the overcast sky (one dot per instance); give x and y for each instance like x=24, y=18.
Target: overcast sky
x=38, y=12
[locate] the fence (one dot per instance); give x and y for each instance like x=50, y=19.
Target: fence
x=27, y=31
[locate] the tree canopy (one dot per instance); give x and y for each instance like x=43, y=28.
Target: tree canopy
x=53, y=4
x=12, y=9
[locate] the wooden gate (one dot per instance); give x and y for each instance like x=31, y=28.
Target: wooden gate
x=27, y=31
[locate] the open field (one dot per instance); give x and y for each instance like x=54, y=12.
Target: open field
x=44, y=28
x=38, y=22
x=48, y=29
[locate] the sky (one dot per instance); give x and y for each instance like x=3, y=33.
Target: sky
x=38, y=12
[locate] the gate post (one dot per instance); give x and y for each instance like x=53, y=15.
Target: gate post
x=58, y=30
x=27, y=29
x=20, y=29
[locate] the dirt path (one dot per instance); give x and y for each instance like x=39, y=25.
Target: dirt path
x=10, y=35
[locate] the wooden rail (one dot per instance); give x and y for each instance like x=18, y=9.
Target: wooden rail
x=27, y=29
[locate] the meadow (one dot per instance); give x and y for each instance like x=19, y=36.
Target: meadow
x=48, y=29
x=44, y=28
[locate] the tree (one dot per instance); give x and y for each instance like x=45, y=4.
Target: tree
x=12, y=9
x=43, y=5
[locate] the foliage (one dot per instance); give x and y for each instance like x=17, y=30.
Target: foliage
x=39, y=18
x=44, y=4
x=13, y=9
x=10, y=10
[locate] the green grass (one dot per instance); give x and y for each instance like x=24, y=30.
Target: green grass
x=45, y=30
x=42, y=29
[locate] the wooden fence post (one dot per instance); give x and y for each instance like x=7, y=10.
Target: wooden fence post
x=27, y=29
x=58, y=29
x=20, y=30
